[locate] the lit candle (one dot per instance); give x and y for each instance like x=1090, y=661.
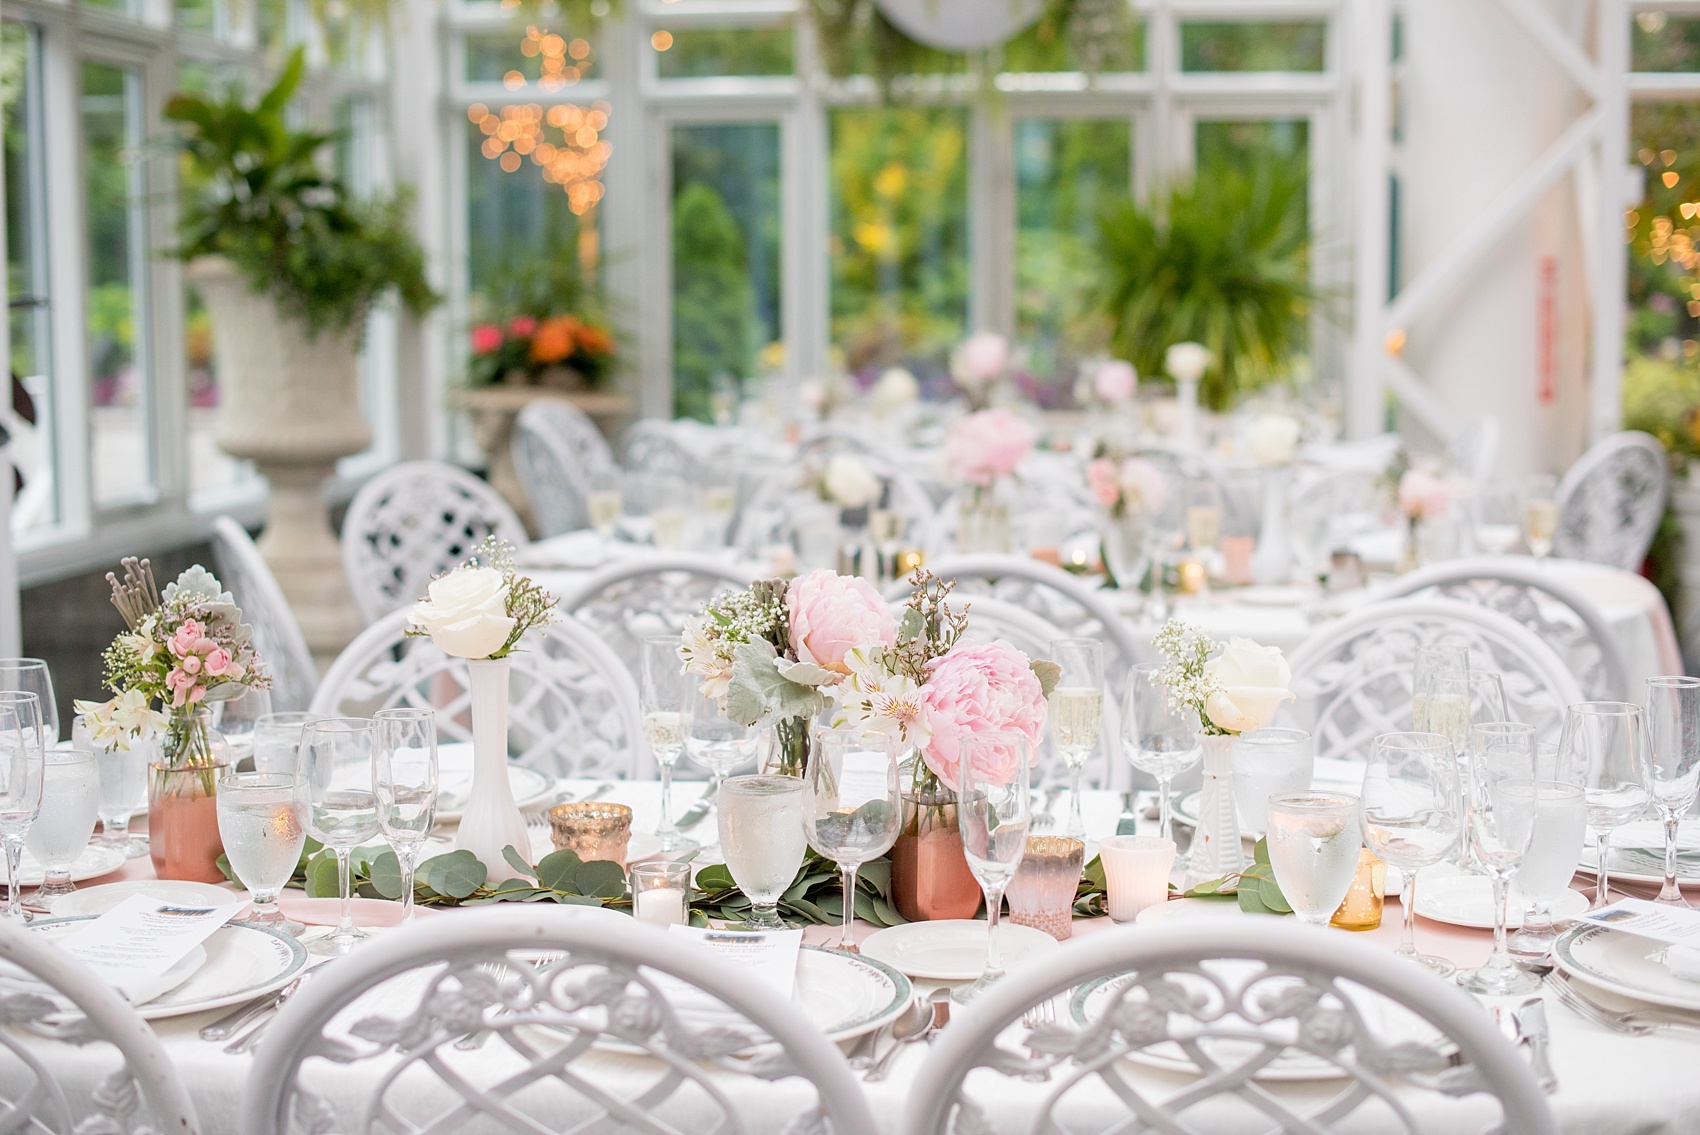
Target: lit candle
x=663, y=906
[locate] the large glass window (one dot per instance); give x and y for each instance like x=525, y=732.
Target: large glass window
x=1253, y=46
x=690, y=54
x=32, y=419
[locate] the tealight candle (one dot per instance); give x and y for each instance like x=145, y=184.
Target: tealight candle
x=660, y=892
x=663, y=906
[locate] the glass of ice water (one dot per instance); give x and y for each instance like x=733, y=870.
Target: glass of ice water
x=1314, y=838
x=716, y=742
x=994, y=809
x=333, y=790
x=1077, y=713
x=259, y=821
x=123, y=789
x=1561, y=826
x=70, y=804
x=761, y=838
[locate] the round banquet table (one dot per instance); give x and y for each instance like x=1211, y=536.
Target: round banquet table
x=1609, y=1084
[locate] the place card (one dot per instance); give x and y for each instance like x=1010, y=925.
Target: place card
x=135, y=942
x=769, y=955
x=1670, y=924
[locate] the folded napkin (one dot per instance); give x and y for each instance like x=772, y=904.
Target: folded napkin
x=1683, y=962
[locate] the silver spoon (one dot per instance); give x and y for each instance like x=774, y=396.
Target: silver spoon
x=911, y=1026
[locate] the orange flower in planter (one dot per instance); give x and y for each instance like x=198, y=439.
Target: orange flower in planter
x=593, y=340
x=554, y=339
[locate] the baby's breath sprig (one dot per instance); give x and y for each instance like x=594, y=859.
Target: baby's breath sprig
x=529, y=605
x=1185, y=650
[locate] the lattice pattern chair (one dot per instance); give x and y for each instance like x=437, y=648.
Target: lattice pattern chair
x=554, y=474
x=649, y=446
x=573, y=707
x=64, y=1002
x=574, y=1003
x=277, y=636
x=413, y=521
x=1610, y=502
x=1225, y=1012
x=1353, y=677
x=1559, y=614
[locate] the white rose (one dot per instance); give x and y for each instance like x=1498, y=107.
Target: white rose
x=1186, y=361
x=1251, y=682
x=466, y=612
x=896, y=387
x=1273, y=439
x=849, y=482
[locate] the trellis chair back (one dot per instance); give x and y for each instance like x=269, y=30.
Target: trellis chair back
x=649, y=446
x=1611, y=501
x=277, y=636
x=556, y=478
x=414, y=521
x=1222, y=1013
x=572, y=711
x=571, y=1001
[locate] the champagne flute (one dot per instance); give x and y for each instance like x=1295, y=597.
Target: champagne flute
x=717, y=743
x=605, y=502
x=1164, y=738
x=404, y=787
x=1504, y=796
x=21, y=768
x=1671, y=760
x=1077, y=712
x=1540, y=514
x=1600, y=746
x=762, y=839
x=1314, y=840
x=1412, y=813
x=1432, y=661
x=31, y=676
x=1561, y=825
x=1203, y=517
x=70, y=805
x=123, y=788
x=994, y=809
x=333, y=788
x=259, y=822
x=851, y=807
x=663, y=691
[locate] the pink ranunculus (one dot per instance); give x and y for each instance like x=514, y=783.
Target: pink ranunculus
x=218, y=661
x=1422, y=494
x=980, y=688
x=985, y=446
x=1115, y=381
x=980, y=358
x=832, y=614
x=1102, y=480
x=522, y=326
x=486, y=337
x=186, y=636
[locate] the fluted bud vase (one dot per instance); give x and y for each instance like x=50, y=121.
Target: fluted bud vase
x=1216, y=847
x=1272, y=561
x=491, y=820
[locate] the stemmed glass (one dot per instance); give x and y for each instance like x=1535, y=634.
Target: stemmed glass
x=1458, y=699
x=1540, y=514
x=1411, y=817
x=123, y=789
x=1497, y=520
x=277, y=741
x=21, y=768
x=1314, y=839
x=605, y=502
x=404, y=785
x=260, y=824
x=333, y=788
x=994, y=809
x=1600, y=746
x=1561, y=824
x=238, y=717
x=70, y=805
x=1164, y=738
x=662, y=694
x=1671, y=759
x=851, y=807
x=1503, y=801
x=1077, y=712
x=717, y=743
x=762, y=841
x=31, y=676
x=1433, y=661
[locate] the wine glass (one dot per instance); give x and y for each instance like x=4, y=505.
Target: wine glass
x=1077, y=711
x=1412, y=813
x=663, y=691
x=851, y=807
x=277, y=741
x=123, y=788
x=1671, y=760
x=31, y=676
x=259, y=822
x=1496, y=519
x=1540, y=514
x=1432, y=661
x=717, y=743
x=762, y=841
x=238, y=717
x=605, y=502
x=1503, y=800
x=1600, y=746
x=1561, y=825
x=1164, y=738
x=1314, y=840
x=994, y=810
x=21, y=768
x=333, y=788
x=404, y=787
x=70, y=805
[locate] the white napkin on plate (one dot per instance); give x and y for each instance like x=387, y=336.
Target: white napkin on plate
x=1683, y=962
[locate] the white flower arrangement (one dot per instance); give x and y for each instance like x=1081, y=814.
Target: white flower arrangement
x=1233, y=689
x=484, y=607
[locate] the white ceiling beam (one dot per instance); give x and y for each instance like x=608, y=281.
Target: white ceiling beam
x=1555, y=43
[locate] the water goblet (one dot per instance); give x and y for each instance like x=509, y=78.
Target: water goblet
x=1561, y=825
x=716, y=742
x=404, y=787
x=277, y=741
x=238, y=717
x=21, y=768
x=1599, y=747
x=852, y=809
x=31, y=676
x=663, y=693
x=1503, y=799
x=1540, y=514
x=333, y=789
x=1412, y=814
x=762, y=840
x=1077, y=712
x=123, y=788
x=1671, y=763
x=1314, y=839
x=994, y=808
x=70, y=804
x=259, y=822
x=1163, y=740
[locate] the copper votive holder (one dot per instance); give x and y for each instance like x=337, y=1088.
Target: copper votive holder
x=593, y=829
x=1361, y=908
x=1193, y=578
x=1041, y=894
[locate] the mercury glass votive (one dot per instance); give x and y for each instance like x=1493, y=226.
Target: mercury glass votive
x=593, y=829
x=1042, y=893
x=1361, y=908
x=1193, y=579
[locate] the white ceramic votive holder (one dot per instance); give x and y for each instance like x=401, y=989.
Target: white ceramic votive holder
x=1136, y=873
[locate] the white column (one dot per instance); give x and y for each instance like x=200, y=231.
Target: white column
x=1372, y=36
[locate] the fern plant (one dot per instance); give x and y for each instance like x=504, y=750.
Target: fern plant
x=1224, y=263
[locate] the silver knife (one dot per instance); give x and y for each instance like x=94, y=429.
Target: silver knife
x=699, y=811
x=1532, y=1023
x=230, y=1022
x=1129, y=819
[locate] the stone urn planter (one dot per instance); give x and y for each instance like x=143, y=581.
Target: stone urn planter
x=289, y=403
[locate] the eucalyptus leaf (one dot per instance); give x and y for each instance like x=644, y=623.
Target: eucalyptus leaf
x=517, y=862
x=599, y=878
x=322, y=882
x=558, y=870
x=456, y=875
x=385, y=875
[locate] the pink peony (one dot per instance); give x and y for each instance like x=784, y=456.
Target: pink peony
x=990, y=444
x=486, y=337
x=833, y=614
x=1115, y=381
x=1102, y=480
x=980, y=688
x=979, y=359
x=1422, y=494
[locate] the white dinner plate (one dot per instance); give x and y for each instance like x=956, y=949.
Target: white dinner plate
x=846, y=995
x=94, y=862
x=1467, y=900
x=952, y=949
x=454, y=782
x=1640, y=867
x=1625, y=964
x=90, y=902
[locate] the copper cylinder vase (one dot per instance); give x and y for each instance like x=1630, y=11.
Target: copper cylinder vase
x=183, y=838
x=930, y=878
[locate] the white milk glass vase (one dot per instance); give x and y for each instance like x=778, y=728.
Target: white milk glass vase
x=1216, y=841
x=491, y=820
x=1272, y=561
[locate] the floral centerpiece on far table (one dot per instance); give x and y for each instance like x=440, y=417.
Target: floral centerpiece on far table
x=983, y=450
x=1130, y=490
x=540, y=351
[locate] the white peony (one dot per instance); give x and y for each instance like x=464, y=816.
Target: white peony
x=1249, y=682
x=1186, y=362
x=849, y=482
x=466, y=612
x=896, y=387
x=1273, y=439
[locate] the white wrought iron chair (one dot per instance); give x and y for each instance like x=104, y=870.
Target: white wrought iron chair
x=572, y=711
x=1218, y=1005
x=556, y=479
x=593, y=1024
x=764, y=515
x=1353, y=677
x=1611, y=500
x=414, y=521
x=575, y=427
x=60, y=1001
x=277, y=636
x=1563, y=617
x=649, y=446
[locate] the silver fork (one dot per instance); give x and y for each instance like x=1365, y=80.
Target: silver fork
x=1634, y=1022
x=1047, y=817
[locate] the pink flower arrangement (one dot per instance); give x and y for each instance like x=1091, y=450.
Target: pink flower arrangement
x=987, y=445
x=831, y=615
x=1115, y=381
x=486, y=337
x=197, y=658
x=1423, y=494
x=979, y=359
x=1133, y=485
x=980, y=688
